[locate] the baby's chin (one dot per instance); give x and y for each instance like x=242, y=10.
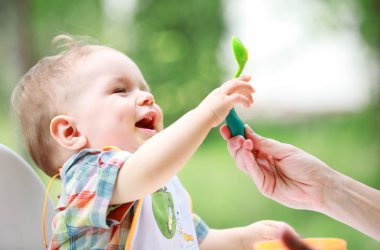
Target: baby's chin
x=140, y=137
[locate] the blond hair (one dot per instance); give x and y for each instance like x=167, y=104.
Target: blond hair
x=40, y=95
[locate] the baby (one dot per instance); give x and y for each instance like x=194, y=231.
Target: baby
x=88, y=114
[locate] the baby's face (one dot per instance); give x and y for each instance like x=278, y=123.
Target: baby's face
x=112, y=104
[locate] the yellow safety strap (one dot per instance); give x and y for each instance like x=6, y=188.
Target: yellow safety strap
x=133, y=225
x=44, y=208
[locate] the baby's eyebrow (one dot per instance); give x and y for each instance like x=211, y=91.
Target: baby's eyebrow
x=122, y=79
x=144, y=86
x=129, y=83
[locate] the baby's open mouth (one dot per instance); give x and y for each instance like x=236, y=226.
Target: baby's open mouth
x=147, y=122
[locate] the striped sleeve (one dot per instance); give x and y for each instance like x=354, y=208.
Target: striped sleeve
x=89, y=185
x=201, y=228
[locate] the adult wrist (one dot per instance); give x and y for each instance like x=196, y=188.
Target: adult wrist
x=333, y=192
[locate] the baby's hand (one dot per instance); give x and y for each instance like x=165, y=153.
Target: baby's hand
x=263, y=231
x=220, y=101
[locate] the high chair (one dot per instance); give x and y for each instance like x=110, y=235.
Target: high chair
x=21, y=200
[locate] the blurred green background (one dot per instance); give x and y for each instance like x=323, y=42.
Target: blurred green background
x=176, y=44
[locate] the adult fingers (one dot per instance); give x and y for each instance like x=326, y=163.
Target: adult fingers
x=248, y=145
x=247, y=163
x=244, y=161
x=234, y=144
x=225, y=132
x=267, y=145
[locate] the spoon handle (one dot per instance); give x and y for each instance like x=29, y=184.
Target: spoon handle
x=235, y=124
x=233, y=121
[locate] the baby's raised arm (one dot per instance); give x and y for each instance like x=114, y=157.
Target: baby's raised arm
x=163, y=155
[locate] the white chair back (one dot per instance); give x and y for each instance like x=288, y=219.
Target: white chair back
x=21, y=200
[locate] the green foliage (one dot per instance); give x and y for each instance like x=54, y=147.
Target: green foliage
x=51, y=18
x=27, y=29
x=367, y=16
x=370, y=22
x=175, y=44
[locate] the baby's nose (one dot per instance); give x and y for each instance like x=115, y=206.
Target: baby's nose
x=145, y=98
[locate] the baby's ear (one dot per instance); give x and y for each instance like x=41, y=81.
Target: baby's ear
x=65, y=132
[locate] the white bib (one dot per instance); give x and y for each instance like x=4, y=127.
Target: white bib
x=164, y=220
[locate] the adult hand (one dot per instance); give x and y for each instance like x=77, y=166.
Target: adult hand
x=280, y=171
x=297, y=179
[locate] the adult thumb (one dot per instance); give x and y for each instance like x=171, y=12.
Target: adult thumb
x=263, y=144
x=256, y=138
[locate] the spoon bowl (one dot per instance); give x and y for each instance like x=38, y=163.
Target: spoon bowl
x=240, y=53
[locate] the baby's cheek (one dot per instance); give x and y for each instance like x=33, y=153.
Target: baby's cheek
x=160, y=118
x=160, y=126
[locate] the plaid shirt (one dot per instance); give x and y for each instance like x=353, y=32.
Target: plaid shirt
x=85, y=219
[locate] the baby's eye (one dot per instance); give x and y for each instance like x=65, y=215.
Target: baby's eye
x=120, y=90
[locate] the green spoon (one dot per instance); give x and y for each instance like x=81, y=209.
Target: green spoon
x=234, y=123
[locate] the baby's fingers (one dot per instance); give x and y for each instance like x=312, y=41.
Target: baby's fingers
x=244, y=99
x=238, y=86
x=246, y=78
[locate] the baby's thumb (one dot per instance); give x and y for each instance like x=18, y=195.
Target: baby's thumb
x=245, y=78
